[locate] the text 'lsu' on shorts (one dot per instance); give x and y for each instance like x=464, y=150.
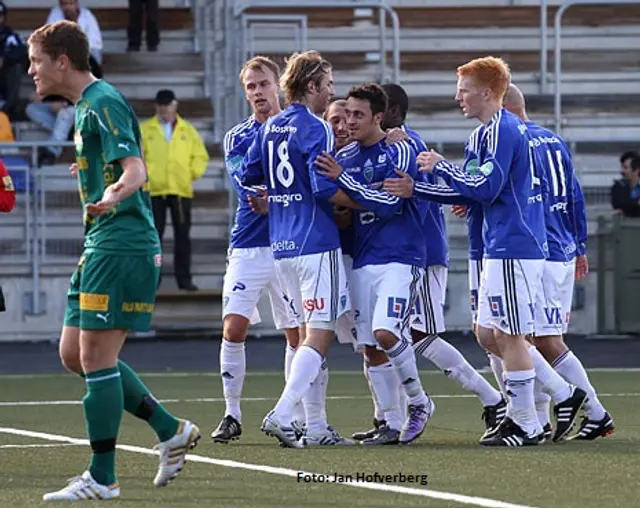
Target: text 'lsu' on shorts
x=113, y=291
x=316, y=286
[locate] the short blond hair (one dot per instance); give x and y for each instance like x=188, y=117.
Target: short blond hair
x=340, y=103
x=301, y=69
x=488, y=72
x=260, y=63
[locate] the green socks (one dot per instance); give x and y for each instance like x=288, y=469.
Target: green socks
x=139, y=402
x=103, y=406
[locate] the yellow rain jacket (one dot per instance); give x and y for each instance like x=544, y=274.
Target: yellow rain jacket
x=173, y=165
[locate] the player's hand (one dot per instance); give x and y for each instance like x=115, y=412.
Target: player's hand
x=110, y=199
x=330, y=167
x=73, y=169
x=259, y=204
x=582, y=267
x=396, y=134
x=427, y=160
x=401, y=187
x=459, y=211
x=343, y=216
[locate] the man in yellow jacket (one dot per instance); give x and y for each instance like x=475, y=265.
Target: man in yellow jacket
x=175, y=157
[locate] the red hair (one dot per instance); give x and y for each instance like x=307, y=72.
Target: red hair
x=488, y=72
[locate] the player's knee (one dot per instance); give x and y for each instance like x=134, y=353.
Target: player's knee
x=385, y=338
x=550, y=347
x=234, y=328
x=487, y=340
x=374, y=357
x=71, y=360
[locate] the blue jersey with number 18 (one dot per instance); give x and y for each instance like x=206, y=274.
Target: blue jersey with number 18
x=283, y=157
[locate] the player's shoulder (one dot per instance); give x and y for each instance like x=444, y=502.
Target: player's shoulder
x=349, y=151
x=418, y=142
x=401, y=154
x=238, y=132
x=104, y=94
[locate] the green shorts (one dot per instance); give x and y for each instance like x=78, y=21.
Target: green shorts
x=110, y=292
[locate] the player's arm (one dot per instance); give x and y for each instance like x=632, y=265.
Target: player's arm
x=438, y=193
x=234, y=160
x=578, y=216
x=486, y=184
x=251, y=173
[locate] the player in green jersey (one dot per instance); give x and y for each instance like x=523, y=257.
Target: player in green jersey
x=113, y=288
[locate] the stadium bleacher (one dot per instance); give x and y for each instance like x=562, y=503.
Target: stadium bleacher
x=600, y=106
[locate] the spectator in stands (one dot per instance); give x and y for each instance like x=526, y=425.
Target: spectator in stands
x=13, y=54
x=7, y=191
x=175, y=157
x=71, y=10
x=625, y=193
x=56, y=115
x=136, y=8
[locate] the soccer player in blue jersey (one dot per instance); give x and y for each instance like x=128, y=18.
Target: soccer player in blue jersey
x=250, y=264
x=566, y=222
x=389, y=259
x=502, y=177
x=428, y=320
x=304, y=235
x=336, y=116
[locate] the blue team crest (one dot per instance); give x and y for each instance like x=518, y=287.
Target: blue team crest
x=234, y=164
x=368, y=171
x=471, y=167
x=487, y=168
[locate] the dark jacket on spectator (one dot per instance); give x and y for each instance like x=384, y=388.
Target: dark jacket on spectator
x=12, y=48
x=621, y=199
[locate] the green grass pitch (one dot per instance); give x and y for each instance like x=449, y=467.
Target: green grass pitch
x=592, y=474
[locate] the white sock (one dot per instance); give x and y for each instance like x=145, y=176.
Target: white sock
x=551, y=381
x=233, y=368
x=497, y=367
x=289, y=353
x=384, y=383
x=298, y=409
x=403, y=359
x=521, y=401
x=314, y=403
x=378, y=414
x=449, y=360
x=403, y=400
x=304, y=370
x=542, y=401
x=569, y=367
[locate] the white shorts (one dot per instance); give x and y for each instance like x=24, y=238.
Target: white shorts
x=428, y=314
x=251, y=271
x=345, y=327
x=475, y=272
x=507, y=295
x=553, y=302
x=384, y=296
x=316, y=286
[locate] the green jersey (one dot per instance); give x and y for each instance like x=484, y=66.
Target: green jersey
x=106, y=131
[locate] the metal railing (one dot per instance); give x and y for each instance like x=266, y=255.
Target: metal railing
x=223, y=28
x=32, y=202
x=557, y=28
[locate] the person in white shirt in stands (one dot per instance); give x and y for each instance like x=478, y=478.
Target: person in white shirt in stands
x=71, y=10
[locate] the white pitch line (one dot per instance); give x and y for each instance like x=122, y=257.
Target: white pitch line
x=57, y=445
x=36, y=403
x=430, y=372
x=412, y=491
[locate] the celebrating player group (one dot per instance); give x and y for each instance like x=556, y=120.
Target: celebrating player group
x=340, y=220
